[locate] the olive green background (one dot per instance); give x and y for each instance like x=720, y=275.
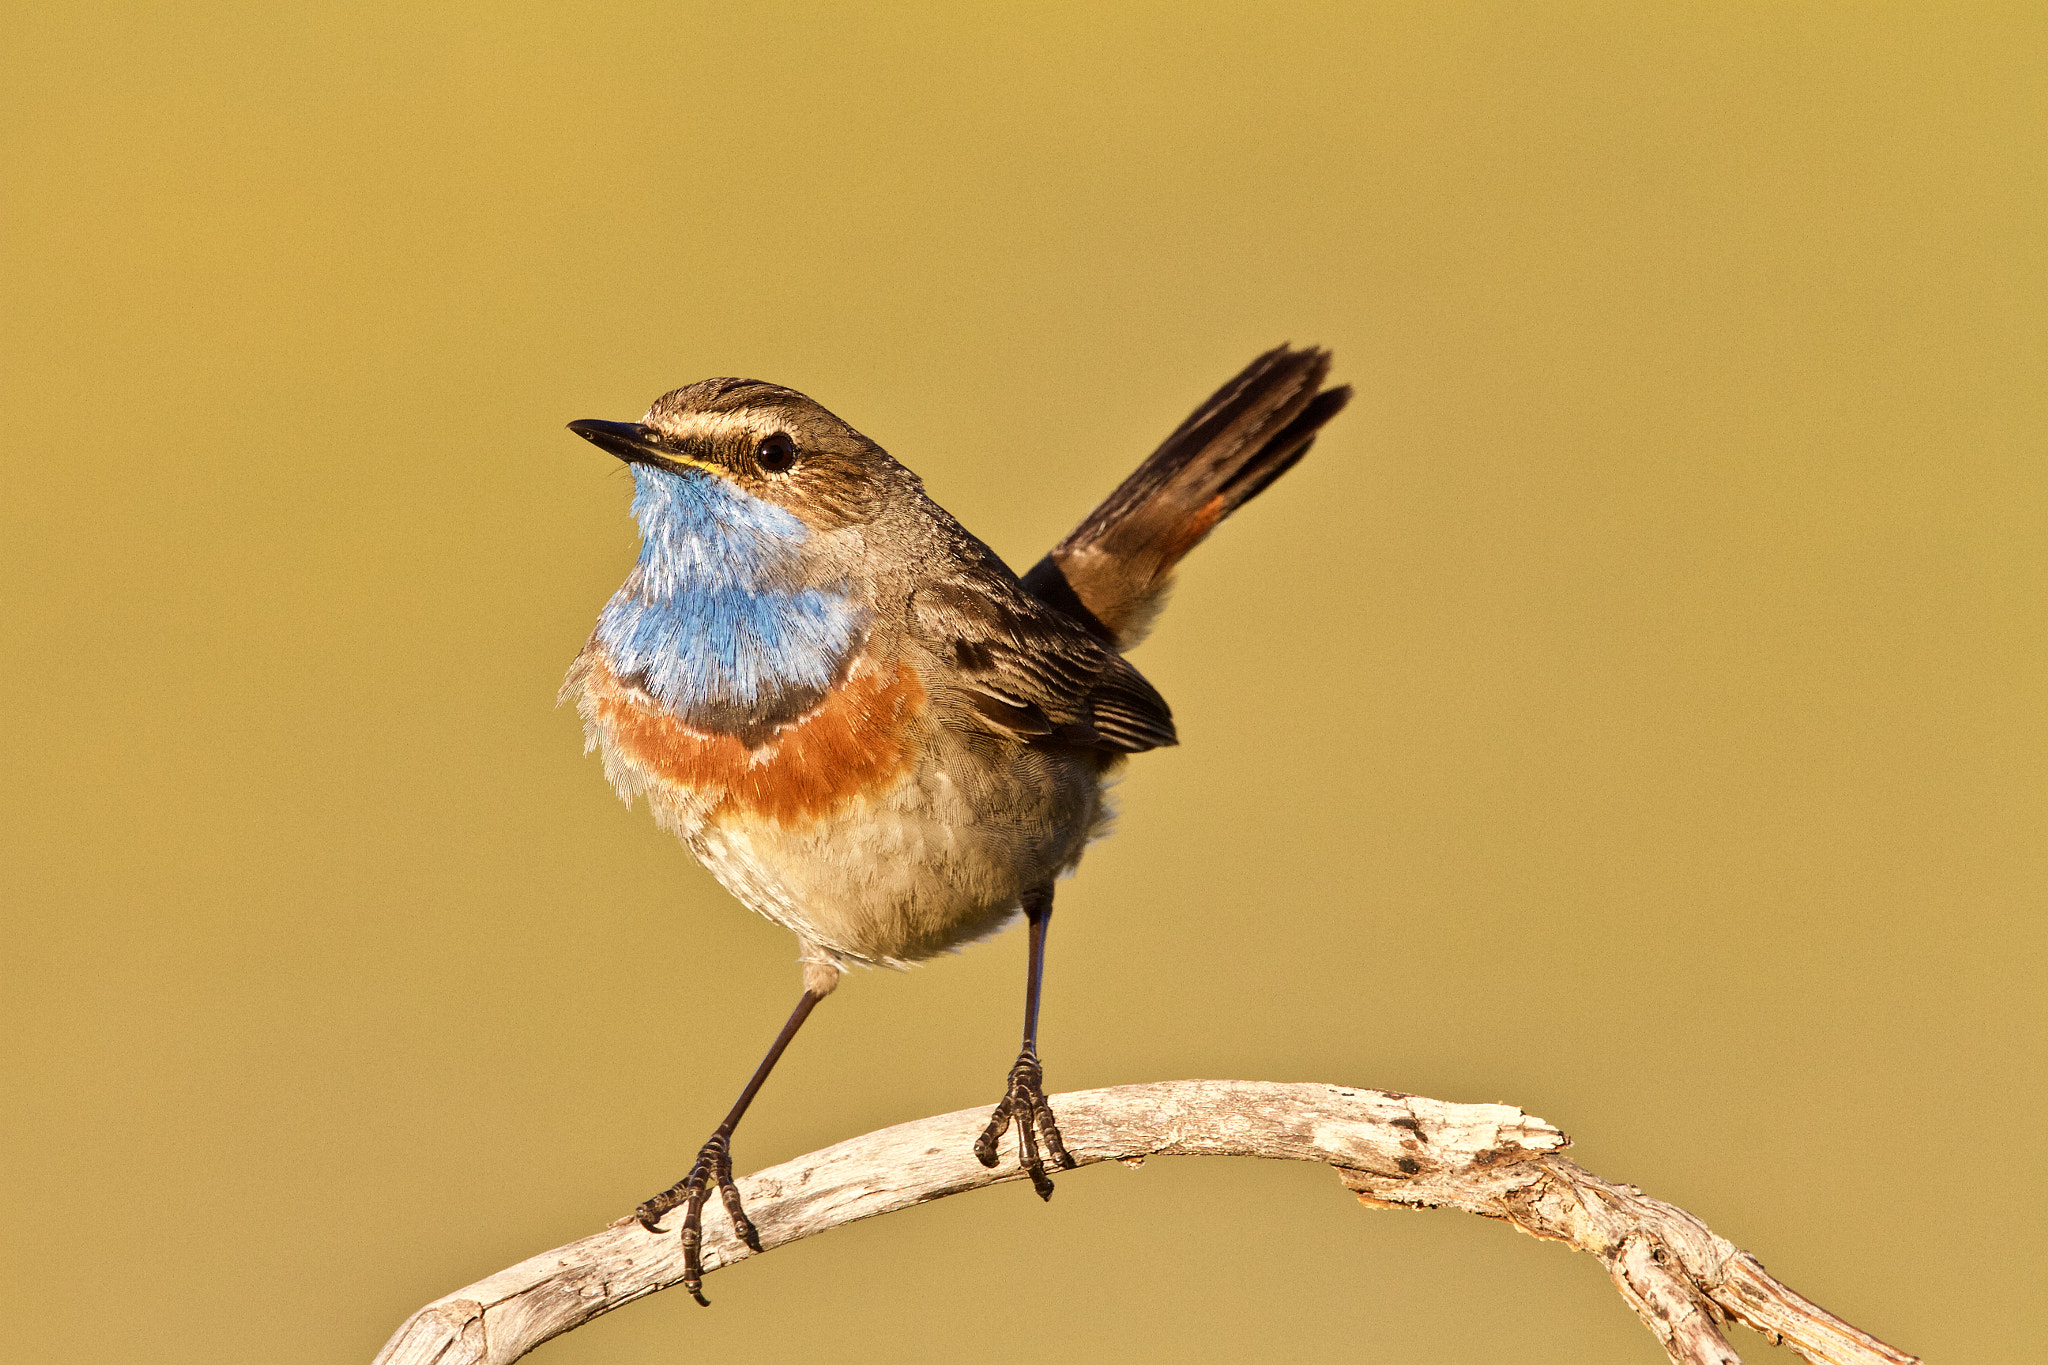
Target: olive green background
x=1633, y=709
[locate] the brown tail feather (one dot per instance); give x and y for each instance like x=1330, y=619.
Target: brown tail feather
x=1112, y=573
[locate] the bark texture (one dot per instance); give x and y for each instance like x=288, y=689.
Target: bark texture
x=1392, y=1150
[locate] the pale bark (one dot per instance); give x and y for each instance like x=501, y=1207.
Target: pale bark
x=1392, y=1150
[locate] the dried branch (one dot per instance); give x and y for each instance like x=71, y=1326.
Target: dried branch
x=1392, y=1150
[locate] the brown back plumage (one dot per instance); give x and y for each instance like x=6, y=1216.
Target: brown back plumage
x=1113, y=571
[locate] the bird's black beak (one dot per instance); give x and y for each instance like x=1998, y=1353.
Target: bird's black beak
x=630, y=441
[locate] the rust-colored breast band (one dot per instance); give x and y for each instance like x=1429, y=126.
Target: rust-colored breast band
x=856, y=742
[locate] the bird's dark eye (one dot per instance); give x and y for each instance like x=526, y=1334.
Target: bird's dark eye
x=776, y=453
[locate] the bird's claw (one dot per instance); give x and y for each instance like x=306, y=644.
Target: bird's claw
x=1024, y=1101
x=713, y=1168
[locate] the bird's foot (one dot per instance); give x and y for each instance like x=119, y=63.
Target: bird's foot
x=713, y=1167
x=1025, y=1102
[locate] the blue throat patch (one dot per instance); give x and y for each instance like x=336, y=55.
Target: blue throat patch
x=708, y=620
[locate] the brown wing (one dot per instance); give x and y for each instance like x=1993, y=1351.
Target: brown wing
x=1024, y=670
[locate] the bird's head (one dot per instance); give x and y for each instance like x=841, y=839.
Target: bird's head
x=768, y=443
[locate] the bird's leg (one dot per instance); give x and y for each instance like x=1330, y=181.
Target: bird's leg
x=714, y=1167
x=1024, y=1100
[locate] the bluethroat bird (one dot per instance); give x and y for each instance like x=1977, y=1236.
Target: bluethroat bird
x=859, y=719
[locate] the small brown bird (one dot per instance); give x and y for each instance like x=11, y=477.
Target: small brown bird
x=859, y=719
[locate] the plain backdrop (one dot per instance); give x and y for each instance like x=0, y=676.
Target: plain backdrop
x=1633, y=710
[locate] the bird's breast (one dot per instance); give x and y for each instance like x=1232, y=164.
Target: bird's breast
x=733, y=617
x=856, y=741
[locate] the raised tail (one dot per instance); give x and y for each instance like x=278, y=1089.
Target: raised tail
x=1113, y=572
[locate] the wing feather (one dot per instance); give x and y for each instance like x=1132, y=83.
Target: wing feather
x=1023, y=670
